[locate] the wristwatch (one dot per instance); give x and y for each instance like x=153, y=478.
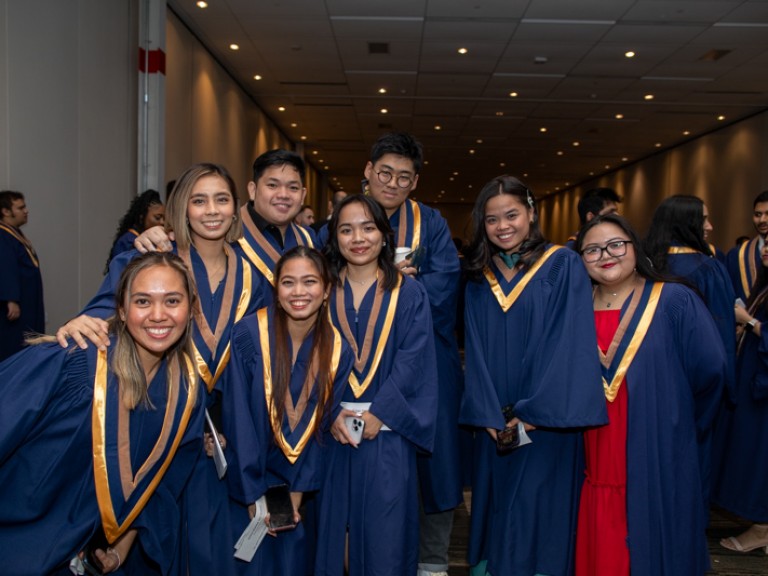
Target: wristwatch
x=750, y=326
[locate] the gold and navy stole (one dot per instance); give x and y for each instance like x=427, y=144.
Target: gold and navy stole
x=409, y=225
x=294, y=413
x=210, y=358
x=753, y=308
x=121, y=492
x=259, y=250
x=376, y=336
x=629, y=336
x=748, y=264
x=17, y=234
x=689, y=250
x=506, y=300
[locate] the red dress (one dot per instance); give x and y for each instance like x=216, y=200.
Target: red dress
x=601, y=537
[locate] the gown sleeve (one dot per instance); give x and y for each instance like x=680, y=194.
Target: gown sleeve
x=407, y=400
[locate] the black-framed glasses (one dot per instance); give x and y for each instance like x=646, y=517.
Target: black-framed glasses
x=616, y=248
x=385, y=177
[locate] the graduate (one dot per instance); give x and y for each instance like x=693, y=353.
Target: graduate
x=104, y=440
x=643, y=510
x=145, y=211
x=203, y=214
x=743, y=261
x=288, y=371
x=530, y=360
x=368, y=502
x=741, y=434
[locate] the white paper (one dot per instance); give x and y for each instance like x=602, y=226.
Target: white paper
x=218, y=452
x=523, y=435
x=254, y=533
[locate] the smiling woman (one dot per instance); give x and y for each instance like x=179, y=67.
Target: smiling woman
x=96, y=445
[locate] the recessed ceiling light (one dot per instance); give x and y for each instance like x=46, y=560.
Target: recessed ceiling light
x=577, y=144
x=658, y=144
x=542, y=129
x=607, y=166
x=721, y=118
x=559, y=152
x=686, y=132
x=384, y=111
x=321, y=160
x=293, y=125
x=451, y=179
x=327, y=167
x=315, y=152
x=462, y=199
x=281, y=108
x=303, y=137
x=513, y=94
x=499, y=113
x=525, y=175
x=629, y=54
x=234, y=47
x=257, y=77
x=479, y=140
x=619, y=116
x=382, y=90
x=455, y=173
x=202, y=4
x=438, y=127
x=463, y=50
x=648, y=96
x=471, y=151
x=502, y=164
x=469, y=186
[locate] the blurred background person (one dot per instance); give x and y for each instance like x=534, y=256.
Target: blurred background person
x=145, y=211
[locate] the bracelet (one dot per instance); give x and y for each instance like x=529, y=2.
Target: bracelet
x=111, y=550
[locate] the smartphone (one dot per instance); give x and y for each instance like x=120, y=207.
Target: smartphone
x=508, y=438
x=280, y=508
x=355, y=425
x=90, y=562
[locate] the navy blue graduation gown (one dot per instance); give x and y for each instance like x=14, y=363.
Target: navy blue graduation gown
x=371, y=490
x=541, y=356
x=440, y=473
x=257, y=461
x=675, y=386
x=743, y=262
x=741, y=433
x=124, y=243
x=207, y=543
x=21, y=282
x=48, y=504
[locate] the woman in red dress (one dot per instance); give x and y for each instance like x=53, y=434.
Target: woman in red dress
x=642, y=507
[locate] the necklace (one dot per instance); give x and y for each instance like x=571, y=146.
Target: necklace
x=362, y=282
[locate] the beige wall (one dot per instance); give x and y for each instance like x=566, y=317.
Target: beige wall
x=726, y=169
x=68, y=125
x=209, y=118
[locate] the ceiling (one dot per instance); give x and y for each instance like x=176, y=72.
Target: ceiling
x=325, y=62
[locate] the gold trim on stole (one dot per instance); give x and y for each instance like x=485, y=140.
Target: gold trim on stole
x=506, y=301
x=24, y=242
x=112, y=529
x=359, y=388
x=291, y=453
x=242, y=307
x=751, y=263
x=402, y=227
x=612, y=390
x=682, y=250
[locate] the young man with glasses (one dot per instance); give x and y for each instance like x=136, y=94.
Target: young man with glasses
x=391, y=175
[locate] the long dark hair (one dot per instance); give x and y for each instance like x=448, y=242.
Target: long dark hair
x=386, y=258
x=481, y=249
x=134, y=217
x=322, y=345
x=678, y=220
x=643, y=264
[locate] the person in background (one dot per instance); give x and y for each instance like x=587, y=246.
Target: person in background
x=743, y=261
x=289, y=370
x=21, y=285
x=741, y=434
x=97, y=445
x=595, y=202
x=146, y=210
x=336, y=198
x=663, y=387
x=305, y=217
x=531, y=368
x=368, y=501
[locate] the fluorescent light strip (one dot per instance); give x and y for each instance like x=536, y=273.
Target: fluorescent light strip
x=522, y=75
x=741, y=24
x=379, y=18
x=569, y=22
x=677, y=78
x=382, y=72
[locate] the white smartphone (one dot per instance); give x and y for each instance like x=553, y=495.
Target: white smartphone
x=355, y=425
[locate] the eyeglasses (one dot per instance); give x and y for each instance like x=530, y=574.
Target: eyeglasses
x=615, y=248
x=403, y=181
